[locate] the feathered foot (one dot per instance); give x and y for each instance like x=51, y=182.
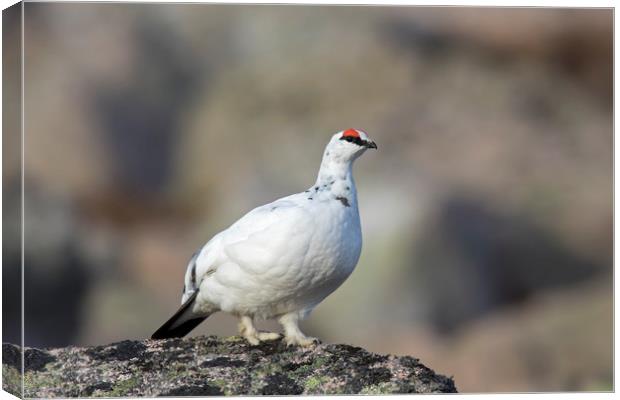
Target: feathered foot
x=252, y=335
x=293, y=335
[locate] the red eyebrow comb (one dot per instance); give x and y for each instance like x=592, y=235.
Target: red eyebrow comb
x=351, y=132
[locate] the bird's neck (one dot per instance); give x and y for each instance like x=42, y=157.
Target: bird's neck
x=336, y=177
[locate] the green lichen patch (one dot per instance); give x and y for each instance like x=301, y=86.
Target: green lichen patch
x=124, y=387
x=314, y=384
x=381, y=388
x=11, y=380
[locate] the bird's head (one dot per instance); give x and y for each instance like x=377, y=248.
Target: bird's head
x=348, y=145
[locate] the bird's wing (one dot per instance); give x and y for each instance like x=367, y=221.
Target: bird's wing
x=266, y=236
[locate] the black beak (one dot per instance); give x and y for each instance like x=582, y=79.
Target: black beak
x=370, y=144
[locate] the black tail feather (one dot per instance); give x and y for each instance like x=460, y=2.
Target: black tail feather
x=181, y=323
x=165, y=332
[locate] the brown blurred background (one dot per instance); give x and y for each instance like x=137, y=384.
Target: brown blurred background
x=486, y=212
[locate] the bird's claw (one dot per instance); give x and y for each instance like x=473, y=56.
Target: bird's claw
x=267, y=336
x=256, y=338
x=252, y=340
x=303, y=341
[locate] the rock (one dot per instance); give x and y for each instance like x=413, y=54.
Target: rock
x=211, y=366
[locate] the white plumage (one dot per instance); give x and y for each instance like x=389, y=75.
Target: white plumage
x=281, y=259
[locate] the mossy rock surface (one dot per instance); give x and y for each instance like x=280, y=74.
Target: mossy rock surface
x=211, y=366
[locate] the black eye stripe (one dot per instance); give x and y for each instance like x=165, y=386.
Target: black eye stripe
x=357, y=140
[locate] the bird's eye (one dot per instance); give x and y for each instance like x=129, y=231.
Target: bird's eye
x=352, y=139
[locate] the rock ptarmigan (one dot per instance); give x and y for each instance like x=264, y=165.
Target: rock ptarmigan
x=281, y=259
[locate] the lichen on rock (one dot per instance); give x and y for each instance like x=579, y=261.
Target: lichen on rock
x=209, y=366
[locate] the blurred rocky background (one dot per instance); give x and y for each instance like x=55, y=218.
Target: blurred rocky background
x=487, y=211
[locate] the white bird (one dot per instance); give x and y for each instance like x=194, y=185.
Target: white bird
x=281, y=259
